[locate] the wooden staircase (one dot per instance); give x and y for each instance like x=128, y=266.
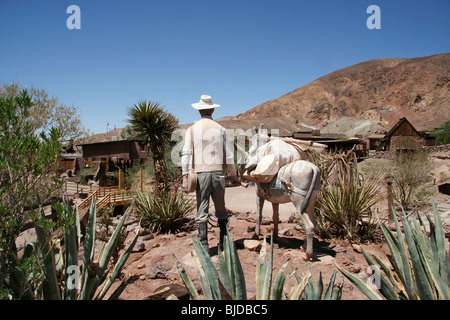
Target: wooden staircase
x=104, y=196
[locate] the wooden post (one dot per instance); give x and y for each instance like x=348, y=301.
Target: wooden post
x=120, y=179
x=389, y=180
x=140, y=178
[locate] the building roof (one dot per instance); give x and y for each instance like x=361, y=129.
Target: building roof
x=302, y=135
x=398, y=124
x=106, y=142
x=376, y=136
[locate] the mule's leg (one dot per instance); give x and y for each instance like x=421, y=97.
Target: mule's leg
x=275, y=208
x=309, y=220
x=259, y=208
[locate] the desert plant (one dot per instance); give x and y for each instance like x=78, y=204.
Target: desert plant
x=304, y=289
x=420, y=263
x=345, y=196
x=344, y=202
x=229, y=282
x=27, y=162
x=153, y=125
x=167, y=213
x=333, y=292
x=410, y=172
x=54, y=272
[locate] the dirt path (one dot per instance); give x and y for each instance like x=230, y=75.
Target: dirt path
x=241, y=199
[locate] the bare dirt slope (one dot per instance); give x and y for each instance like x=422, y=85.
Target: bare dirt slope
x=365, y=98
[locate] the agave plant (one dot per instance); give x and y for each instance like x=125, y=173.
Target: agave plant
x=61, y=277
x=304, y=289
x=333, y=292
x=229, y=282
x=421, y=267
x=344, y=197
x=165, y=213
x=94, y=270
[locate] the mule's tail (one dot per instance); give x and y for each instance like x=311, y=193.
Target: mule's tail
x=315, y=185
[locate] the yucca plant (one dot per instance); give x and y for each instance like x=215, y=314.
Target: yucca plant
x=344, y=202
x=167, y=213
x=151, y=123
x=229, y=282
x=421, y=268
x=58, y=266
x=344, y=197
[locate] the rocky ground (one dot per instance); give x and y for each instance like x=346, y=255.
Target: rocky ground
x=152, y=265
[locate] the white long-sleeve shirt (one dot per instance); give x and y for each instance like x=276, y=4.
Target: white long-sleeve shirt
x=212, y=151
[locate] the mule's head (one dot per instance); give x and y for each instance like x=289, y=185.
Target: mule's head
x=251, y=157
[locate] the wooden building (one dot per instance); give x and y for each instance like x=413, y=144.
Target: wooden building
x=375, y=142
x=119, y=151
x=336, y=142
x=403, y=135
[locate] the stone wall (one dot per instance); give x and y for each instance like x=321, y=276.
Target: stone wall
x=441, y=152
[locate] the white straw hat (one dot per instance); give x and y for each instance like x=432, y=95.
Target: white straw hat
x=205, y=103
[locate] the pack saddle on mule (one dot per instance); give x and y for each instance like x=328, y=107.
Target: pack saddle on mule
x=278, y=168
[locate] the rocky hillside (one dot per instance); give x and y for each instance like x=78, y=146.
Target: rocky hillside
x=366, y=98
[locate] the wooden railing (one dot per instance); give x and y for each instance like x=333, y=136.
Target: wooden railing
x=102, y=191
x=86, y=203
x=104, y=201
x=105, y=196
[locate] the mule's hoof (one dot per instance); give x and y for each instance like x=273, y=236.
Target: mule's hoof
x=306, y=256
x=255, y=236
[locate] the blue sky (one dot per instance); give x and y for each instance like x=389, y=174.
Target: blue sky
x=242, y=53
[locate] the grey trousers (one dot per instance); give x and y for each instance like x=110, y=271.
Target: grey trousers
x=210, y=184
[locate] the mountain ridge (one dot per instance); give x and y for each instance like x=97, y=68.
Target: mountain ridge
x=376, y=92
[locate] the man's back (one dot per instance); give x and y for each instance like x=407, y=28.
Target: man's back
x=209, y=145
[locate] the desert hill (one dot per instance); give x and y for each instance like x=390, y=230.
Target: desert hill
x=367, y=97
